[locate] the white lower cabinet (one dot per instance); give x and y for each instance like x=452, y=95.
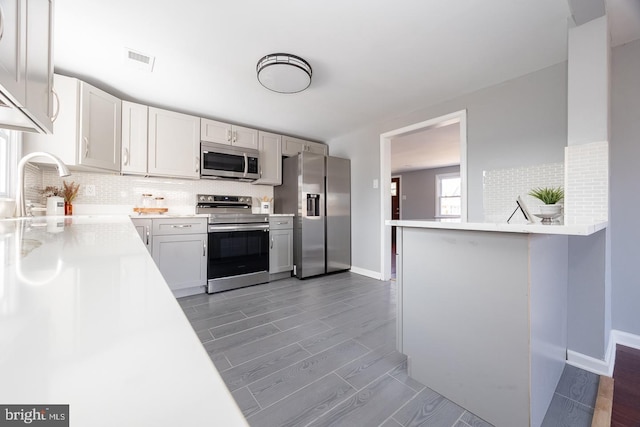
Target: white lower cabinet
x=179, y=248
x=143, y=227
x=182, y=260
x=280, y=247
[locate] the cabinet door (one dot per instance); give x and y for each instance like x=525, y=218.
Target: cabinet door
x=182, y=259
x=270, y=147
x=143, y=227
x=64, y=142
x=292, y=146
x=317, y=148
x=281, y=251
x=134, y=138
x=213, y=131
x=39, y=68
x=12, y=50
x=174, y=144
x=100, y=129
x=244, y=137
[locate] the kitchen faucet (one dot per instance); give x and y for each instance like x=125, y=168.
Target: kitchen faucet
x=62, y=171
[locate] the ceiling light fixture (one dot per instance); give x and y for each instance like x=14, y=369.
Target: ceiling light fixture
x=284, y=73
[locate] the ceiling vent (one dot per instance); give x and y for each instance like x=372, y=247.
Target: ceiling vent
x=138, y=60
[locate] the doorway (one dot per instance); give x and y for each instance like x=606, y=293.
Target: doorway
x=395, y=215
x=387, y=235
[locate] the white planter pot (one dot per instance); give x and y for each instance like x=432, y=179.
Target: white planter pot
x=550, y=209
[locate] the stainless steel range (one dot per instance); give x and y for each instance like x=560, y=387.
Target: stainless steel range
x=238, y=242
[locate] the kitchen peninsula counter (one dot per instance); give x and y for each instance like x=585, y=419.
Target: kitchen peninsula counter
x=86, y=319
x=482, y=312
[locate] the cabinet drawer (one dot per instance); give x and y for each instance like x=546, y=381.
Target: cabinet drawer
x=179, y=226
x=280, y=222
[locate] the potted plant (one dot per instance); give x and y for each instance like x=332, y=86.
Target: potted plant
x=550, y=196
x=55, y=201
x=69, y=192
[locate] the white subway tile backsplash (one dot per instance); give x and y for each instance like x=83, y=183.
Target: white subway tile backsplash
x=502, y=187
x=587, y=182
x=123, y=190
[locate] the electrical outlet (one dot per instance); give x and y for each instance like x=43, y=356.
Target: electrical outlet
x=90, y=190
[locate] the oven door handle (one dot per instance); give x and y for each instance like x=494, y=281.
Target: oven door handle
x=238, y=227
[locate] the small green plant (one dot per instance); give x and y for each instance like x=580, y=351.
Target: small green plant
x=548, y=195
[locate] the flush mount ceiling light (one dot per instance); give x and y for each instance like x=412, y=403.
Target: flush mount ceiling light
x=284, y=73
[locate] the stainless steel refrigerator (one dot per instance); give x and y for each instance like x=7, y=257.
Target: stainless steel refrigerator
x=317, y=190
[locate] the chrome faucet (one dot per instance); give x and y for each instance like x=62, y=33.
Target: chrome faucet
x=62, y=171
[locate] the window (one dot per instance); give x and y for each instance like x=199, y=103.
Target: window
x=8, y=161
x=448, y=200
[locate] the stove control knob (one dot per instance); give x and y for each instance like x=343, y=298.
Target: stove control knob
x=210, y=198
x=202, y=198
x=241, y=199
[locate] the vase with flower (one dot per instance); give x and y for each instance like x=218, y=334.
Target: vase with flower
x=69, y=192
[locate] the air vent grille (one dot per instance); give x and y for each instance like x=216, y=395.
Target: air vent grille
x=138, y=60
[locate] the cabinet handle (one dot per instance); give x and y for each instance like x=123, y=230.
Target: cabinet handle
x=86, y=146
x=229, y=135
x=1, y=23
x=272, y=243
x=126, y=156
x=282, y=223
x=235, y=136
x=204, y=248
x=57, y=98
x=181, y=226
x=147, y=235
x=260, y=171
x=197, y=164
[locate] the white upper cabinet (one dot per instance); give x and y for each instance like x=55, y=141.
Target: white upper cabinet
x=12, y=49
x=174, y=144
x=87, y=130
x=134, y=138
x=100, y=128
x=225, y=133
x=26, y=65
x=292, y=146
x=270, y=148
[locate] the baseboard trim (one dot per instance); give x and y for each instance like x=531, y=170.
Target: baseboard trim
x=604, y=367
x=364, y=272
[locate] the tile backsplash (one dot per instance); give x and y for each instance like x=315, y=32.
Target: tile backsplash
x=503, y=186
x=123, y=192
x=587, y=182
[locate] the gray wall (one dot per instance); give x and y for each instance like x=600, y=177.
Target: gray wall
x=517, y=123
x=624, y=199
x=419, y=188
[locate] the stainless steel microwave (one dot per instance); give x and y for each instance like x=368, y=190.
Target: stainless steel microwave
x=228, y=162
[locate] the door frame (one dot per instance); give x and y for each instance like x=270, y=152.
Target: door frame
x=385, y=177
x=399, y=194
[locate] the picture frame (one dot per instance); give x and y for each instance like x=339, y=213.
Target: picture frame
x=525, y=210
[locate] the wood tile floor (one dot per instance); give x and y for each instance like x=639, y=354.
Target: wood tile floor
x=319, y=352
x=626, y=388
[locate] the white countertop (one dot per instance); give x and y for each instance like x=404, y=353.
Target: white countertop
x=87, y=320
x=578, y=229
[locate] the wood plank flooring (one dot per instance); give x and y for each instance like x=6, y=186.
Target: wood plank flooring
x=320, y=352
x=626, y=389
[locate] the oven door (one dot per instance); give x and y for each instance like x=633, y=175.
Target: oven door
x=238, y=255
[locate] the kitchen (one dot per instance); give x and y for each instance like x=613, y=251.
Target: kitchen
x=533, y=121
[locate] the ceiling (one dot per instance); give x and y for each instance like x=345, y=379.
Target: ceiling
x=426, y=149
x=372, y=60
